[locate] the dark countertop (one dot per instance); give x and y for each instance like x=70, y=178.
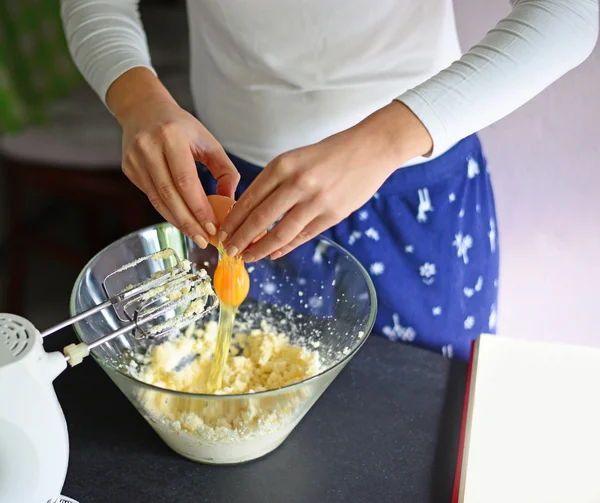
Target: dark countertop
x=386, y=430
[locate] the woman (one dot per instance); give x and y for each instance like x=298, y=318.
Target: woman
x=362, y=115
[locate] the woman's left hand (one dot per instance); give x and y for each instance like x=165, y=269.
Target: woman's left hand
x=313, y=188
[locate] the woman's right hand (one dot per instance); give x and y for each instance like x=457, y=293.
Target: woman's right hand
x=161, y=143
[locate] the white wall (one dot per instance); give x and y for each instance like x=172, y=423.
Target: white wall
x=545, y=162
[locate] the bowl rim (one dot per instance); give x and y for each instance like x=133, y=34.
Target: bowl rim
x=205, y=396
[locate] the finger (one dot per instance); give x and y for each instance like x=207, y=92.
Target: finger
x=141, y=179
x=292, y=226
x=312, y=230
x=156, y=165
x=185, y=179
x=224, y=171
x=264, y=184
x=262, y=217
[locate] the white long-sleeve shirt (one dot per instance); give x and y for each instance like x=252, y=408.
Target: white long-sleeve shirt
x=268, y=76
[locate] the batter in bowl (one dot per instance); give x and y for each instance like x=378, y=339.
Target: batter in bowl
x=260, y=360
x=234, y=430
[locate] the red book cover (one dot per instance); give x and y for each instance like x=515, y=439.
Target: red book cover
x=463, y=429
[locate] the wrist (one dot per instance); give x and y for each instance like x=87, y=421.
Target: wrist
x=135, y=90
x=397, y=133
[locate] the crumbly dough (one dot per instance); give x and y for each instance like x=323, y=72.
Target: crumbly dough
x=258, y=361
x=221, y=429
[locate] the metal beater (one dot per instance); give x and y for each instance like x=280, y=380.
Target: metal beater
x=170, y=299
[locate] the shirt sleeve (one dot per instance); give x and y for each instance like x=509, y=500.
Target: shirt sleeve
x=106, y=39
x=537, y=43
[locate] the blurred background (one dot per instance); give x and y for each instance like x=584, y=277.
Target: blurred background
x=63, y=197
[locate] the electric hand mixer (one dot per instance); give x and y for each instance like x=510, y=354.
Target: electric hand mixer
x=34, y=453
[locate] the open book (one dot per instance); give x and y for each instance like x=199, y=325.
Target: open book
x=531, y=430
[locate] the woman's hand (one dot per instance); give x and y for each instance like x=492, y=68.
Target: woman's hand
x=161, y=143
x=315, y=187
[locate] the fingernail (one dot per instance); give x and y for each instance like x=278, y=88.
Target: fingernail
x=200, y=241
x=276, y=255
x=210, y=228
x=222, y=236
x=232, y=251
x=248, y=257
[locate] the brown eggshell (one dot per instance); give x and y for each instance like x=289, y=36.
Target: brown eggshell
x=221, y=206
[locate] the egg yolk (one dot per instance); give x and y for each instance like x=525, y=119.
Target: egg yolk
x=231, y=281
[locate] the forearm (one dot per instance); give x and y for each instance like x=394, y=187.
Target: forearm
x=537, y=43
x=136, y=87
x=106, y=39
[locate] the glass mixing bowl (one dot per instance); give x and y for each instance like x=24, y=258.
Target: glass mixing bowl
x=318, y=295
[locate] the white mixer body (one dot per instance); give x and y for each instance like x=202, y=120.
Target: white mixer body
x=34, y=446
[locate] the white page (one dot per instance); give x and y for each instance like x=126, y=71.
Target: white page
x=534, y=434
